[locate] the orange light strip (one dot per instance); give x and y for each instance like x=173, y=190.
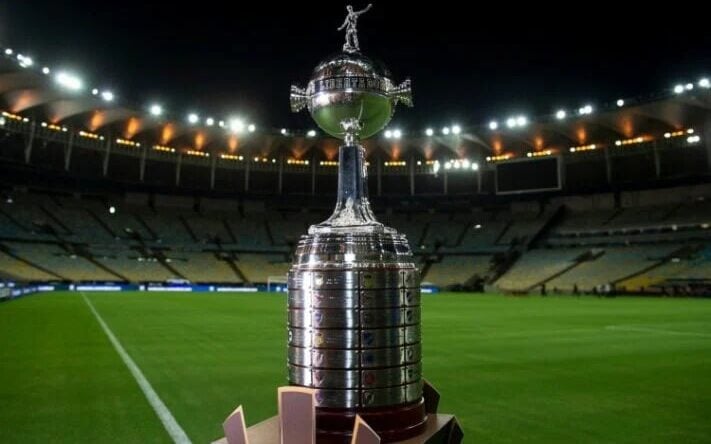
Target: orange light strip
x=330, y=163
x=678, y=133
x=164, y=148
x=577, y=149
x=54, y=127
x=231, y=157
x=633, y=141
x=17, y=117
x=89, y=135
x=197, y=153
x=500, y=157
x=395, y=163
x=126, y=142
x=539, y=153
x=297, y=162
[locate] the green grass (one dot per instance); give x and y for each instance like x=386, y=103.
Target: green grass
x=557, y=369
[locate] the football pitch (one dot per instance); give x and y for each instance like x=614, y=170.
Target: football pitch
x=513, y=369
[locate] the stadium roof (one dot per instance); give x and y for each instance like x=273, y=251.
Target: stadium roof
x=59, y=98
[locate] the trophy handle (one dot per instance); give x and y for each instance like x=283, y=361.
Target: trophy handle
x=402, y=93
x=299, y=98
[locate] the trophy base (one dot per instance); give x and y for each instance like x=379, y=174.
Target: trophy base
x=438, y=429
x=392, y=423
x=301, y=422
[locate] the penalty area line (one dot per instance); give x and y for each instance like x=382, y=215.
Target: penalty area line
x=166, y=417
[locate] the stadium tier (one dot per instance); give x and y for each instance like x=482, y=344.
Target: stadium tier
x=649, y=241
x=615, y=199
x=48, y=129
x=458, y=270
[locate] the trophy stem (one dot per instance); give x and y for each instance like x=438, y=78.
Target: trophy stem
x=352, y=212
x=352, y=177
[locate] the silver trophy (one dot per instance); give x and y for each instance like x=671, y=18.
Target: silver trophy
x=354, y=291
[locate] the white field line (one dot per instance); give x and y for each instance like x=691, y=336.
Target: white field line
x=656, y=330
x=171, y=425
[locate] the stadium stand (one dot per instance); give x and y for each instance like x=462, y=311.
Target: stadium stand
x=136, y=267
x=433, y=234
x=122, y=224
x=67, y=265
x=204, y=267
x=260, y=267
x=676, y=271
x=167, y=227
x=13, y=268
x=635, y=241
x=455, y=270
x=538, y=266
x=410, y=224
x=480, y=234
x=209, y=228
x=10, y=228
x=611, y=266
x=288, y=227
x=630, y=210
x=81, y=222
x=250, y=231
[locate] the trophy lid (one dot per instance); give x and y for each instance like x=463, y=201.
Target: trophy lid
x=350, y=64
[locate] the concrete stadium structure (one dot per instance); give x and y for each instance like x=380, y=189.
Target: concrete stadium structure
x=209, y=201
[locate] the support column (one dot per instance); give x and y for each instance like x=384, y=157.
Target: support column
x=313, y=175
x=142, y=165
x=412, y=175
x=444, y=174
x=379, y=174
x=246, y=173
x=107, y=154
x=68, y=151
x=561, y=171
x=281, y=174
x=608, y=165
x=478, y=177
x=178, y=167
x=706, y=140
x=657, y=160
x=30, y=141
x=213, y=166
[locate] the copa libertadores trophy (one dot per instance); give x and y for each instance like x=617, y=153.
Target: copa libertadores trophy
x=353, y=289
x=354, y=356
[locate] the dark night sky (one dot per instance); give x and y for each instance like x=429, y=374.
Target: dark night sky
x=468, y=64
